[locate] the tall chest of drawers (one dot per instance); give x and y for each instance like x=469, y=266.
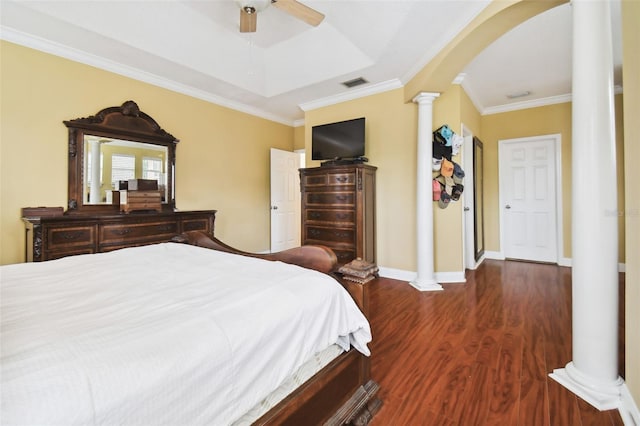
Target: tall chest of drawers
x=338, y=210
x=66, y=235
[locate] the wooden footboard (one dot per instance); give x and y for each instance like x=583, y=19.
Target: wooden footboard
x=319, y=258
x=342, y=392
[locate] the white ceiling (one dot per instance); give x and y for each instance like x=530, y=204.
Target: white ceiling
x=194, y=47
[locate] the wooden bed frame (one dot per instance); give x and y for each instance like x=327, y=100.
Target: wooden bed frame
x=342, y=392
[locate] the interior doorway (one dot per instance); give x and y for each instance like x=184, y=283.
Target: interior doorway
x=530, y=199
x=285, y=199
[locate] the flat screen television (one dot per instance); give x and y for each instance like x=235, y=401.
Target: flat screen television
x=343, y=140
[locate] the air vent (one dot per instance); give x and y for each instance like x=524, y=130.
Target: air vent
x=355, y=82
x=518, y=95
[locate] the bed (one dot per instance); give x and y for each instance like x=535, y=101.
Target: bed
x=185, y=332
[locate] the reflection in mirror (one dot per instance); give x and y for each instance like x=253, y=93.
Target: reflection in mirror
x=109, y=164
x=111, y=147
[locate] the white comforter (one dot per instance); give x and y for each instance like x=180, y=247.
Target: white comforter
x=168, y=334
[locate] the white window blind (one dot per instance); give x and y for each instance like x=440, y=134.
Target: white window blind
x=152, y=169
x=123, y=167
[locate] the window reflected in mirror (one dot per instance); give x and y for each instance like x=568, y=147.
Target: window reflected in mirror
x=110, y=163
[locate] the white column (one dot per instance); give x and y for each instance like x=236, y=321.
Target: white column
x=94, y=191
x=593, y=373
x=425, y=280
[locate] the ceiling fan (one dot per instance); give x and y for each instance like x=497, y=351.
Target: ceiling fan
x=249, y=12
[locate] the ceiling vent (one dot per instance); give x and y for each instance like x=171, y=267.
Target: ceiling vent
x=518, y=94
x=355, y=82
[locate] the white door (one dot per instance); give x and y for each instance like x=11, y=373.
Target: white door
x=527, y=170
x=285, y=200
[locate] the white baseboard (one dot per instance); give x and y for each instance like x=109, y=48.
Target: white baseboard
x=440, y=277
x=477, y=263
x=568, y=262
x=459, y=276
x=563, y=261
x=628, y=408
x=397, y=274
x=451, y=277
x=494, y=255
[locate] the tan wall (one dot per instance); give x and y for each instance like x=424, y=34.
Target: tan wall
x=630, y=73
x=222, y=157
x=391, y=133
x=391, y=145
x=298, y=137
x=470, y=116
x=447, y=223
x=453, y=108
x=551, y=119
x=546, y=120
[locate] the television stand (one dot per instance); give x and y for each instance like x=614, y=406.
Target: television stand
x=344, y=161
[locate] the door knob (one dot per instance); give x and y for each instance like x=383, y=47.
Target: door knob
x=466, y=209
x=507, y=207
x=274, y=207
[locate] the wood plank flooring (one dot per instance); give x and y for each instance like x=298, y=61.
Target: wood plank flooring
x=478, y=353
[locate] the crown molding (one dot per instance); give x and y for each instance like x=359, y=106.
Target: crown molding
x=56, y=49
x=459, y=78
x=371, y=89
x=533, y=103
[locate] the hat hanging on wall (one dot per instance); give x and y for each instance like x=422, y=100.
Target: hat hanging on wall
x=456, y=143
x=443, y=135
x=446, y=169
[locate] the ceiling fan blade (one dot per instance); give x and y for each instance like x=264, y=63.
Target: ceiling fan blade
x=248, y=21
x=300, y=11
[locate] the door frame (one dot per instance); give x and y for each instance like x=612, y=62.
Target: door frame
x=557, y=142
x=468, y=209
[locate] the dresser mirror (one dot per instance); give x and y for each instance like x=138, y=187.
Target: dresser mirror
x=108, y=149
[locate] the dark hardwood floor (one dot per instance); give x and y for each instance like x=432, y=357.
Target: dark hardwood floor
x=478, y=353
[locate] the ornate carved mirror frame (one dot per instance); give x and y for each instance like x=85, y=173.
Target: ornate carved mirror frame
x=123, y=123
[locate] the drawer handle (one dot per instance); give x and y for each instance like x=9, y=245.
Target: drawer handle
x=314, y=232
x=165, y=227
x=341, y=178
x=342, y=215
x=72, y=235
x=341, y=234
x=315, y=215
x=341, y=197
x=121, y=231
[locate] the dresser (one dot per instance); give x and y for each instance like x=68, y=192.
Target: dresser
x=53, y=237
x=338, y=210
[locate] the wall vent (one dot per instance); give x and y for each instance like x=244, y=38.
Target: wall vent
x=355, y=82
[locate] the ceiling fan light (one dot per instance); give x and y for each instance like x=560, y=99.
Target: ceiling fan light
x=257, y=5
